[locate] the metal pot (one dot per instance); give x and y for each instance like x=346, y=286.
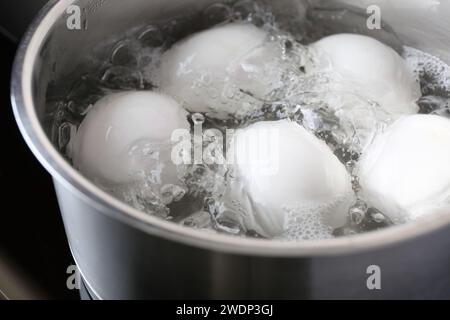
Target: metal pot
x=124, y=253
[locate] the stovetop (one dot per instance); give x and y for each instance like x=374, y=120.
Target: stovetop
x=34, y=254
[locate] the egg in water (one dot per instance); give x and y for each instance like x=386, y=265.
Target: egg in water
x=280, y=167
x=406, y=171
x=127, y=134
x=224, y=71
x=366, y=67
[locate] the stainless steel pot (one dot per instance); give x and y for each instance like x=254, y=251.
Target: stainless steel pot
x=123, y=253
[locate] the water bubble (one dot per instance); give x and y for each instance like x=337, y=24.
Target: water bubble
x=123, y=55
x=216, y=14
x=351, y=165
x=345, y=154
x=172, y=193
x=151, y=36
x=84, y=92
x=228, y=226
x=198, y=220
x=65, y=133
x=378, y=217
x=225, y=219
x=143, y=197
x=344, y=232
x=122, y=78
x=243, y=10
x=198, y=118
x=357, y=212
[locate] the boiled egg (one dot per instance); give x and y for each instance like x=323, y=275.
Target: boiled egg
x=221, y=71
x=126, y=134
x=405, y=173
x=279, y=168
x=366, y=67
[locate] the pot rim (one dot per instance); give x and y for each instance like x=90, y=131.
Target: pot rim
x=66, y=175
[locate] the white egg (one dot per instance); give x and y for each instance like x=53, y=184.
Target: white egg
x=369, y=68
x=222, y=71
x=127, y=133
x=406, y=171
x=281, y=167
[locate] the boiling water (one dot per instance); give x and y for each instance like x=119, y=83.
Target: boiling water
x=200, y=200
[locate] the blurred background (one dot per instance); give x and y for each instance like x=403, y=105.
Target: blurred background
x=34, y=254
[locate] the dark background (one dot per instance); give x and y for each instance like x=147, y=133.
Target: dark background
x=34, y=254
